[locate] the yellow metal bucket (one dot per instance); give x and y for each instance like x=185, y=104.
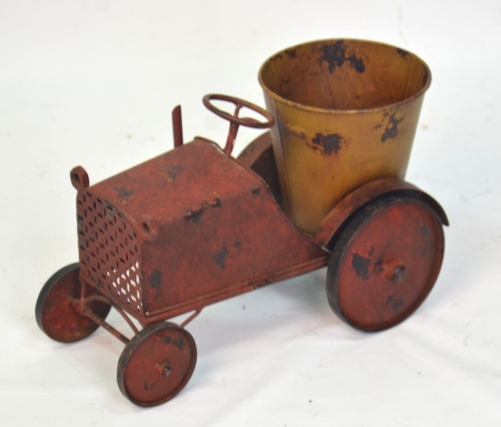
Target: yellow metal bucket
x=346, y=113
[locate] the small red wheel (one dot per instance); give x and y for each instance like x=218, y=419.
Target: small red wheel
x=385, y=263
x=55, y=312
x=156, y=364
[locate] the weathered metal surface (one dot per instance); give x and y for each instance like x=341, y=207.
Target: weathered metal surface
x=260, y=158
x=224, y=236
x=57, y=313
x=385, y=262
x=346, y=113
x=156, y=364
x=332, y=224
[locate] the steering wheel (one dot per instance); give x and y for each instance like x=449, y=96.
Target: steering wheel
x=235, y=120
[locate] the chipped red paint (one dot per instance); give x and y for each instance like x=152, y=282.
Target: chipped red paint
x=225, y=236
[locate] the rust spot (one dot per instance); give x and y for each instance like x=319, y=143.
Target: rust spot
x=152, y=386
x=256, y=191
x=155, y=281
x=397, y=305
x=179, y=343
x=391, y=130
x=361, y=266
x=171, y=172
x=124, y=193
x=194, y=215
x=219, y=258
x=327, y=144
x=291, y=53
x=402, y=52
x=335, y=55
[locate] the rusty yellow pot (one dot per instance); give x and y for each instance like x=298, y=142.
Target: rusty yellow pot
x=346, y=113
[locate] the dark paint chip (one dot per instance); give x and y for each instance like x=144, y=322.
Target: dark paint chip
x=361, y=266
x=219, y=258
x=397, y=305
x=123, y=192
x=172, y=171
x=402, y=52
x=179, y=343
x=194, y=215
x=335, y=56
x=155, y=279
x=327, y=144
x=391, y=130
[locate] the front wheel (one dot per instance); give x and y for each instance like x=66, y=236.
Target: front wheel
x=156, y=364
x=55, y=313
x=385, y=263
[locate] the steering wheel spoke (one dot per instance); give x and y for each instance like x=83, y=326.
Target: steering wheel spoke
x=235, y=120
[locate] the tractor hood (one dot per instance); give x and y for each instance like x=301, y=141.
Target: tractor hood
x=207, y=227
x=178, y=185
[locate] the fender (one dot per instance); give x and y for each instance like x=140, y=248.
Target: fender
x=260, y=158
x=339, y=216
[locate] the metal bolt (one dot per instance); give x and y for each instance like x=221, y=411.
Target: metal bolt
x=163, y=368
x=399, y=273
x=394, y=270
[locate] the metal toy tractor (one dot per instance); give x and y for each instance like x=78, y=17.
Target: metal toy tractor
x=195, y=225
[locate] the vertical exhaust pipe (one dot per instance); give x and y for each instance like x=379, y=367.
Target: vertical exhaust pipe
x=177, y=126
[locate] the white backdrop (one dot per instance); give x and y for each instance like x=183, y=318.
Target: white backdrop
x=93, y=83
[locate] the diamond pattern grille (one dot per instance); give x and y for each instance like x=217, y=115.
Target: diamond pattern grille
x=109, y=250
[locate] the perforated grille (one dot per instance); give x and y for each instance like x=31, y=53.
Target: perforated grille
x=109, y=250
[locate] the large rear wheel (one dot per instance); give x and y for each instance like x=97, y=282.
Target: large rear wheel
x=385, y=263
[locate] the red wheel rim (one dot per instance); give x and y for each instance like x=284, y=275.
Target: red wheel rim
x=385, y=264
x=157, y=364
x=55, y=312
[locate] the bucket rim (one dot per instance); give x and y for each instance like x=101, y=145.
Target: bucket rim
x=312, y=109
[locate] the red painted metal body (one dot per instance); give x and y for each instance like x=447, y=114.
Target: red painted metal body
x=224, y=236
